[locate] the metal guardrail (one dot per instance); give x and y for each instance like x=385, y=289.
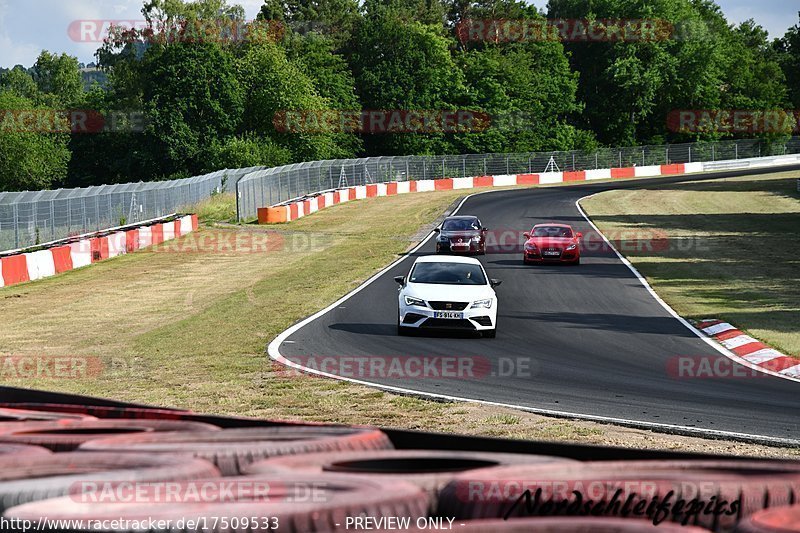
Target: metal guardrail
x=31, y=218
x=280, y=184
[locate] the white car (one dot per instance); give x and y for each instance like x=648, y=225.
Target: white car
x=447, y=292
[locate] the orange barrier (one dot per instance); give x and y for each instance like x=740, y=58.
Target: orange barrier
x=626, y=172
x=99, y=248
x=15, y=269
x=272, y=215
x=62, y=258
x=156, y=234
x=677, y=168
x=391, y=188
x=195, y=224
x=578, y=175
x=527, y=179
x=445, y=184
x=372, y=191
x=132, y=240
x=483, y=181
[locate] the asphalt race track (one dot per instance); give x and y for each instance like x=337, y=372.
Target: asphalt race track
x=596, y=341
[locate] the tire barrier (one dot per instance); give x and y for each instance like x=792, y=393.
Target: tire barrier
x=22, y=449
x=285, y=503
x=326, y=478
x=428, y=469
x=725, y=491
x=27, y=415
x=775, y=520
x=28, y=478
x=568, y=525
x=232, y=449
x=101, y=411
x=64, y=257
x=67, y=435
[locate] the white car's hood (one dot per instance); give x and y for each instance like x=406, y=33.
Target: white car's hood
x=448, y=293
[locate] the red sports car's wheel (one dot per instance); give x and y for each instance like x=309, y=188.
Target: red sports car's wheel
x=774, y=520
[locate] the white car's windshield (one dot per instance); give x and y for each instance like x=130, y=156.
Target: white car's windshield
x=448, y=274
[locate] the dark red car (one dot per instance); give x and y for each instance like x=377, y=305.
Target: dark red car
x=461, y=235
x=556, y=243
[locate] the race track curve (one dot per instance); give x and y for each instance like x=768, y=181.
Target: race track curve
x=598, y=344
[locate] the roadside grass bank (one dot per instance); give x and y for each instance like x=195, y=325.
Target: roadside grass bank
x=185, y=324
x=727, y=249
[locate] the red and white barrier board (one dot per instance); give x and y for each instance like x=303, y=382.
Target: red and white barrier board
x=307, y=206
x=40, y=264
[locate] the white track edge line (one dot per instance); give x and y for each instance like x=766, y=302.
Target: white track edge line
x=708, y=340
x=273, y=350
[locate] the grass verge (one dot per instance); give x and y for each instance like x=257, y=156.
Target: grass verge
x=728, y=249
x=185, y=324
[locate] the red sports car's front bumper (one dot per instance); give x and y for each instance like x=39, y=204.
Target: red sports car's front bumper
x=564, y=256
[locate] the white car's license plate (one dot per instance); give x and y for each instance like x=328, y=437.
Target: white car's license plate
x=448, y=314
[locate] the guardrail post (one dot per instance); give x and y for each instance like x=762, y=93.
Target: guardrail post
x=16, y=226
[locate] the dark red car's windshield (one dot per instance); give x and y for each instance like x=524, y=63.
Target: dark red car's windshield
x=552, y=231
x=461, y=225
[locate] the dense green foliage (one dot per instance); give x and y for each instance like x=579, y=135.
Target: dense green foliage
x=213, y=90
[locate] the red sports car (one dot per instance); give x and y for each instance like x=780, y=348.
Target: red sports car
x=552, y=243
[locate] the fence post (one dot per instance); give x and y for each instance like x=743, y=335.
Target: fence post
x=596, y=162
x=484, y=165
x=736, y=149
x=690, y=153
x=573, y=161
x=713, y=152
x=508, y=170
x=16, y=225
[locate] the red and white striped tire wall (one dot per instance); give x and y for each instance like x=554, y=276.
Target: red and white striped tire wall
x=31, y=266
x=307, y=206
x=751, y=350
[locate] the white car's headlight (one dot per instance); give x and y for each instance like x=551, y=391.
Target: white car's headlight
x=571, y=247
x=410, y=300
x=482, y=303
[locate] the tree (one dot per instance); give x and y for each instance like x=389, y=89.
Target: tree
x=402, y=65
x=788, y=50
x=58, y=76
x=30, y=159
x=19, y=82
x=274, y=85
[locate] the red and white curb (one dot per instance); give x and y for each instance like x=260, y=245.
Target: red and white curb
x=751, y=350
x=23, y=267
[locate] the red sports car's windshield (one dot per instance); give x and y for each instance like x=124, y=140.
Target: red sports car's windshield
x=552, y=231
x=448, y=274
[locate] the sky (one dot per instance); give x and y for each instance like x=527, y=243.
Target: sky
x=28, y=26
